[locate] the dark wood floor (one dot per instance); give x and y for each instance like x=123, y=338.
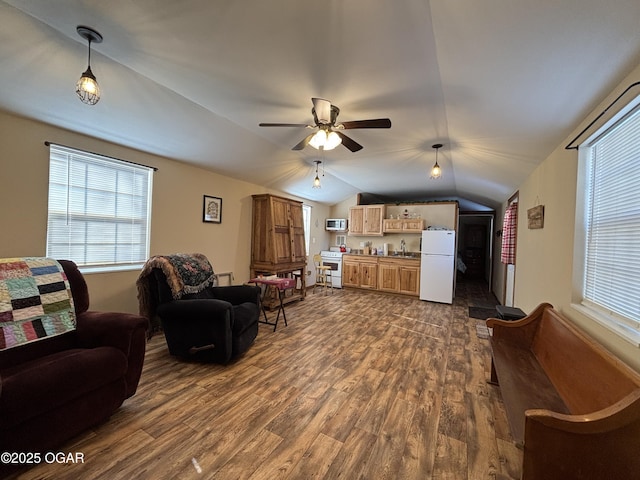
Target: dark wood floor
x=360, y=385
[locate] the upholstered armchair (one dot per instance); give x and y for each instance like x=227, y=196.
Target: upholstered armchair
x=56, y=385
x=200, y=321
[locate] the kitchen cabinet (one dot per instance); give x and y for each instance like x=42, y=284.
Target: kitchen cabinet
x=399, y=275
x=388, y=277
x=385, y=274
x=410, y=279
x=366, y=220
x=402, y=225
x=359, y=271
x=277, y=241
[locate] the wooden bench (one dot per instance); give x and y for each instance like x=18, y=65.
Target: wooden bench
x=572, y=406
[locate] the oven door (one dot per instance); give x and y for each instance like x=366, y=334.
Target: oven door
x=336, y=270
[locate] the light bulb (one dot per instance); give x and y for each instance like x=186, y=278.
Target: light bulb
x=436, y=171
x=333, y=140
x=87, y=88
x=319, y=139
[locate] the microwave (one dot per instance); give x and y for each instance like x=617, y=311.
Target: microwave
x=335, y=224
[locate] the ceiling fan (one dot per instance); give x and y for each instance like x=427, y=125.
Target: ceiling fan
x=329, y=134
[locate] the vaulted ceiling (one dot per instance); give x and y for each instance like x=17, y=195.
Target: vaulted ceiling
x=500, y=83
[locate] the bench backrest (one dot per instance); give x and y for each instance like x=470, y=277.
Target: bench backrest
x=586, y=375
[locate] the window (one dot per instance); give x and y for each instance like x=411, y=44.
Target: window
x=99, y=210
x=306, y=218
x=610, y=236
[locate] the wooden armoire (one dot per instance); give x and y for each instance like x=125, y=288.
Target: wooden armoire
x=277, y=242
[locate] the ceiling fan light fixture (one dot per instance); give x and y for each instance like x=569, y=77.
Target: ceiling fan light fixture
x=87, y=87
x=436, y=171
x=327, y=140
x=319, y=139
x=333, y=140
x=316, y=181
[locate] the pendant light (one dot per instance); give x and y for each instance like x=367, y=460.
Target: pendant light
x=436, y=171
x=87, y=87
x=316, y=181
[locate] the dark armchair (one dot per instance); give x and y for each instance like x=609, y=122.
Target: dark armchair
x=214, y=324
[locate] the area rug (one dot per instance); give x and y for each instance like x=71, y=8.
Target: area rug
x=482, y=330
x=482, y=313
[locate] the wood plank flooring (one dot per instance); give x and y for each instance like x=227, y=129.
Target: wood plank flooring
x=360, y=385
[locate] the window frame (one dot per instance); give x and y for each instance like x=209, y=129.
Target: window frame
x=136, y=215
x=626, y=328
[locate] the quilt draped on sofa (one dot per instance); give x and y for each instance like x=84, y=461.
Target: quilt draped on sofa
x=35, y=300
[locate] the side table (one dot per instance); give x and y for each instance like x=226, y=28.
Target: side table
x=281, y=285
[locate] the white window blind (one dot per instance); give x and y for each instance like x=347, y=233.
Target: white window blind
x=612, y=219
x=306, y=219
x=99, y=209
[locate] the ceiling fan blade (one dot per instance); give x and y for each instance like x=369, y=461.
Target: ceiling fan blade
x=283, y=125
x=322, y=109
x=375, y=123
x=349, y=142
x=303, y=143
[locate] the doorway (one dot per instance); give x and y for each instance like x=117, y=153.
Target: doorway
x=510, y=267
x=475, y=245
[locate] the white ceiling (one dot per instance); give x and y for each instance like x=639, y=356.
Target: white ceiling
x=499, y=82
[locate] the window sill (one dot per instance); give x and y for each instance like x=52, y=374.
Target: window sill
x=627, y=333
x=110, y=268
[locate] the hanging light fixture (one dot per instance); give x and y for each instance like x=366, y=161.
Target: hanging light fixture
x=316, y=181
x=87, y=87
x=436, y=171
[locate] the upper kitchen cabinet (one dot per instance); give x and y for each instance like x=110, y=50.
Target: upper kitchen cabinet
x=278, y=234
x=402, y=225
x=366, y=220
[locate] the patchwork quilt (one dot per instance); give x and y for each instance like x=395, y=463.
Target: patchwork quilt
x=35, y=300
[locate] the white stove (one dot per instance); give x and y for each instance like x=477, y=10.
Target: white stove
x=333, y=259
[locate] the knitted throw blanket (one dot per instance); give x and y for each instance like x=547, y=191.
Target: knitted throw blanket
x=35, y=300
x=185, y=272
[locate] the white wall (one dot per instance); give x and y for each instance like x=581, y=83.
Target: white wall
x=176, y=210
x=544, y=258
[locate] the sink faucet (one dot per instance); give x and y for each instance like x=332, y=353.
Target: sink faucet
x=403, y=247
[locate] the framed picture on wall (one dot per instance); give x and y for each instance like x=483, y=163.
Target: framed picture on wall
x=535, y=217
x=212, y=209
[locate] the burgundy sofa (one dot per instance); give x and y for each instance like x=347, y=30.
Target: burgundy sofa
x=54, y=388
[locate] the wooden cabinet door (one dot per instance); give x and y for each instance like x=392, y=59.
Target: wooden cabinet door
x=356, y=220
x=392, y=225
x=413, y=225
x=368, y=275
x=350, y=273
x=298, y=247
x=388, y=277
x=409, y=280
x=281, y=231
x=373, y=217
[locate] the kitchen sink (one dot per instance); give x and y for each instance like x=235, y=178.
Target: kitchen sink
x=406, y=255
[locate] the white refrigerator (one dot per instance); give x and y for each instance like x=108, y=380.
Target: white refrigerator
x=437, y=265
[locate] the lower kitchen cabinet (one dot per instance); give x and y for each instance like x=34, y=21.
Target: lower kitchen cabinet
x=359, y=271
x=410, y=280
x=368, y=275
x=350, y=273
x=388, y=277
x=386, y=274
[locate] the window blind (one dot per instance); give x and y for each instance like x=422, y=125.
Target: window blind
x=99, y=209
x=612, y=219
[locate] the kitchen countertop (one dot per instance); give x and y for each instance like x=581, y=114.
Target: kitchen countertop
x=408, y=256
